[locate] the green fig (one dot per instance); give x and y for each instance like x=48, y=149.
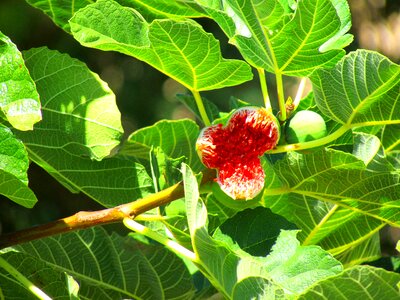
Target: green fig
x=305, y=126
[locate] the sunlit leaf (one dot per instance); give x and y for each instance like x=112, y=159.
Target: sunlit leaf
x=79, y=109
x=363, y=89
x=13, y=169
x=175, y=138
x=43, y=275
x=290, y=266
x=166, y=9
x=13, y=156
x=368, y=148
x=19, y=100
x=80, y=118
x=330, y=193
x=257, y=288
x=105, y=266
x=360, y=282
x=390, y=137
x=282, y=37
x=366, y=251
x=181, y=50
x=60, y=11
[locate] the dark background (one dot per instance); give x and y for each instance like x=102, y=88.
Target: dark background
x=145, y=95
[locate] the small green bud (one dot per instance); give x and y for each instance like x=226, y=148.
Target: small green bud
x=305, y=126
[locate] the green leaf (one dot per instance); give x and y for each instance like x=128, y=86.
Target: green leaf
x=274, y=14
x=394, y=158
x=60, y=11
x=50, y=281
x=290, y=267
x=363, y=89
x=181, y=50
x=13, y=169
x=328, y=193
x=218, y=212
x=110, y=182
x=175, y=138
x=390, y=137
x=362, y=282
x=257, y=288
x=79, y=109
x=175, y=222
x=166, y=9
x=80, y=118
x=105, y=266
x=16, y=190
x=13, y=155
x=366, y=251
x=297, y=267
x=19, y=100
x=255, y=230
x=269, y=36
x=368, y=148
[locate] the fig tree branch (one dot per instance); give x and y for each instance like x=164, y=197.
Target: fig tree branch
x=85, y=219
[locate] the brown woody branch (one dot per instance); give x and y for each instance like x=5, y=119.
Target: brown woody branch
x=85, y=219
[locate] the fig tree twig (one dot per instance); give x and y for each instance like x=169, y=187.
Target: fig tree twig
x=85, y=219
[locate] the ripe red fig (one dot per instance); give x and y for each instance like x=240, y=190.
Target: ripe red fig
x=234, y=150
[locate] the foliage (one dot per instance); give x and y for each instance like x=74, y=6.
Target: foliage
x=318, y=217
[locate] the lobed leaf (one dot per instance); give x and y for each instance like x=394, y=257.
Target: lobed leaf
x=19, y=100
x=104, y=266
x=16, y=190
x=226, y=265
x=181, y=50
x=43, y=275
x=257, y=288
x=60, y=11
x=175, y=138
x=13, y=155
x=80, y=118
x=110, y=182
x=330, y=193
x=357, y=283
x=80, y=112
x=14, y=165
x=366, y=251
x=390, y=138
x=363, y=89
x=285, y=37
x=394, y=159
x=368, y=148
x=166, y=9
x=255, y=230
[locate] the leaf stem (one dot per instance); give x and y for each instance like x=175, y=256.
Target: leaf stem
x=200, y=106
x=311, y=144
x=23, y=280
x=151, y=218
x=170, y=244
x=281, y=96
x=264, y=89
x=85, y=219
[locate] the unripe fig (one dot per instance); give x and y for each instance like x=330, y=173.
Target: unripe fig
x=305, y=126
